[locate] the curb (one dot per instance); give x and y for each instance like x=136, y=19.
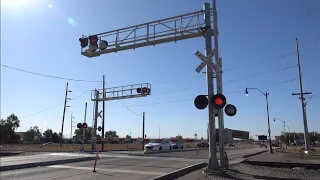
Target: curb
x=47, y=163
x=254, y=154
x=282, y=164
x=181, y=172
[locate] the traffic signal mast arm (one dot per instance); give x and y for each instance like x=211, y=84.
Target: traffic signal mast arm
x=186, y=26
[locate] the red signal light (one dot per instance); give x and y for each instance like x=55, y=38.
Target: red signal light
x=84, y=125
x=144, y=90
x=219, y=101
x=93, y=40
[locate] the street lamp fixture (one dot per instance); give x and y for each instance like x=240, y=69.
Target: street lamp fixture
x=266, y=94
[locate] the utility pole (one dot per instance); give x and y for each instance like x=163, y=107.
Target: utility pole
x=304, y=113
x=103, y=111
x=71, y=119
x=143, y=135
x=64, y=112
x=213, y=162
x=94, y=128
x=159, y=132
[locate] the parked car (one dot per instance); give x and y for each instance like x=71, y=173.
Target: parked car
x=202, y=145
x=158, y=146
x=177, y=145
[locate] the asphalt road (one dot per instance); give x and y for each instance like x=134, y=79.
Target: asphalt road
x=123, y=167
x=118, y=166
x=200, y=154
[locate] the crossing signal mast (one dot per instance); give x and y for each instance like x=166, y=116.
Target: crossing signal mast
x=186, y=26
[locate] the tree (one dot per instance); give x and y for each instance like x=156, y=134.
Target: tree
x=14, y=120
x=32, y=133
x=128, y=137
x=79, y=132
x=111, y=134
x=55, y=138
x=7, y=129
x=47, y=134
x=179, y=137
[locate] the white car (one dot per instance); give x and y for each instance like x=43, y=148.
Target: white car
x=158, y=146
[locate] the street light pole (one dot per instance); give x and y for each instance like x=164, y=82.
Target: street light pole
x=269, y=129
x=284, y=130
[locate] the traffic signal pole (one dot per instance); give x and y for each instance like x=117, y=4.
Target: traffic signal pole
x=213, y=162
x=143, y=118
x=94, y=128
x=218, y=61
x=103, y=111
x=84, y=121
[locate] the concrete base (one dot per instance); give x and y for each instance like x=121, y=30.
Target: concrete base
x=212, y=172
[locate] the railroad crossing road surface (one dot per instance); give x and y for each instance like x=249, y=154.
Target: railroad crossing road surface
x=116, y=166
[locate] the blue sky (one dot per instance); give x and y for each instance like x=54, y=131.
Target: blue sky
x=42, y=36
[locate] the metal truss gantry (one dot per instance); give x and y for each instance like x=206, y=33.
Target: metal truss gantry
x=121, y=92
x=171, y=29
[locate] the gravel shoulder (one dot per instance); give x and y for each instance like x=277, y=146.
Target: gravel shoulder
x=248, y=172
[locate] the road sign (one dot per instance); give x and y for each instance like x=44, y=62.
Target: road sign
x=99, y=114
x=206, y=61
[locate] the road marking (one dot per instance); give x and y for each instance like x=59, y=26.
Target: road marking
x=110, y=170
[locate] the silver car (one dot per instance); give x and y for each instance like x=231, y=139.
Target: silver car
x=177, y=145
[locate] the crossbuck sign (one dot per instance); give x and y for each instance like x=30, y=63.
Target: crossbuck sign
x=206, y=61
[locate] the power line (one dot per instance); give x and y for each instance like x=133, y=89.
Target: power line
x=232, y=92
x=229, y=69
x=125, y=105
x=47, y=109
x=229, y=81
x=45, y=75
x=259, y=62
x=311, y=26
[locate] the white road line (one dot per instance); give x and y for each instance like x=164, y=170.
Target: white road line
x=110, y=170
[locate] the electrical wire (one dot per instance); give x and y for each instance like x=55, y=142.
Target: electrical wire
x=311, y=26
x=229, y=81
x=125, y=105
x=47, y=109
x=232, y=92
x=45, y=75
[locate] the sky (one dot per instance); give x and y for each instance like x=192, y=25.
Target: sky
x=256, y=41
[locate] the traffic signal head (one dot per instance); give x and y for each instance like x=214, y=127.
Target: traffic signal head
x=143, y=90
x=79, y=125
x=99, y=128
x=84, y=42
x=93, y=40
x=219, y=101
x=103, y=44
x=230, y=110
x=84, y=125
x=201, y=102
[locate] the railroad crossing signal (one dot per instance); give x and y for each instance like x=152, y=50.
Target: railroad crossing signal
x=206, y=61
x=84, y=42
x=93, y=41
x=218, y=101
x=99, y=128
x=82, y=125
x=143, y=90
